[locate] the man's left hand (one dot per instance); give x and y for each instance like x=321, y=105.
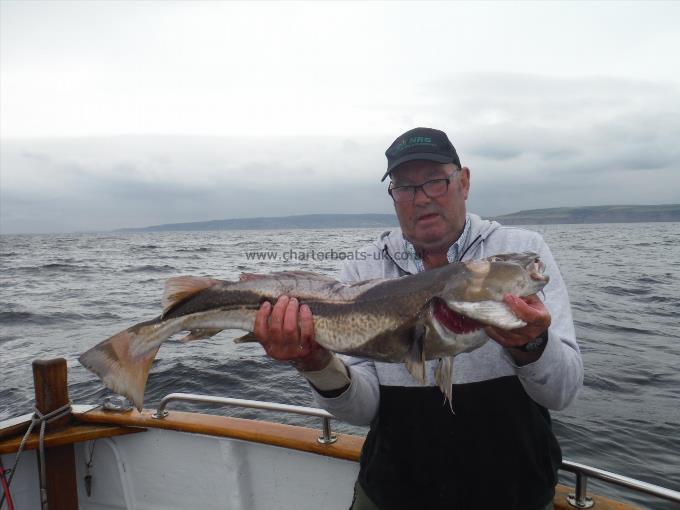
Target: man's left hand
x=532, y=311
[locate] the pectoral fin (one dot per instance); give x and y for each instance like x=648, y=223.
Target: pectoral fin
x=415, y=358
x=443, y=376
x=200, y=334
x=248, y=337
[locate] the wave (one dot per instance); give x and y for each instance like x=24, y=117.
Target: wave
x=602, y=383
x=649, y=279
x=150, y=268
x=26, y=317
x=60, y=266
x=8, y=338
x=200, y=249
x=103, y=316
x=622, y=291
x=145, y=247
x=586, y=307
x=57, y=267
x=659, y=299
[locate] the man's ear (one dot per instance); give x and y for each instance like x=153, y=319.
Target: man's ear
x=465, y=180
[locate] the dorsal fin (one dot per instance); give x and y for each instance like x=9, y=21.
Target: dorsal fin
x=244, y=277
x=181, y=287
x=307, y=274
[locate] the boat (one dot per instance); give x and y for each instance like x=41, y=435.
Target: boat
x=110, y=456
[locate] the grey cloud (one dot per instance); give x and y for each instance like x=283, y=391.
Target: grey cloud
x=550, y=129
x=37, y=156
x=540, y=143
x=109, y=195
x=562, y=154
x=494, y=151
x=129, y=188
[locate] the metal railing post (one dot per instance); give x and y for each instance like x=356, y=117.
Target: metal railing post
x=327, y=437
x=580, y=499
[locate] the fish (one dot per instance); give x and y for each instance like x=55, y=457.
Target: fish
x=432, y=315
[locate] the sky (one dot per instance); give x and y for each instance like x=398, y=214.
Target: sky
x=129, y=114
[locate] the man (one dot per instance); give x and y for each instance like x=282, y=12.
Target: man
x=496, y=449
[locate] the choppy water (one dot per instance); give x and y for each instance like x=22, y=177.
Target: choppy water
x=61, y=294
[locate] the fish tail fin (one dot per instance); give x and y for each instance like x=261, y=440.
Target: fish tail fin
x=181, y=287
x=123, y=361
x=415, y=360
x=443, y=376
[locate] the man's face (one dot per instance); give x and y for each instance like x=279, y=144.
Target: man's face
x=432, y=224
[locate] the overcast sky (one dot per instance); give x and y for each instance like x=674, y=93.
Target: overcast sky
x=123, y=114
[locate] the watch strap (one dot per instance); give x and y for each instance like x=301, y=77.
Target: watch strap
x=536, y=344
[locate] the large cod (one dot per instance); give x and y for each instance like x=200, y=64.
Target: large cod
x=435, y=314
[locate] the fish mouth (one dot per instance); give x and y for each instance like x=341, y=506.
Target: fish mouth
x=452, y=320
x=536, y=269
x=530, y=261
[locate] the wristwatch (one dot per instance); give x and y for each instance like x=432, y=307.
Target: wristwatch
x=534, y=345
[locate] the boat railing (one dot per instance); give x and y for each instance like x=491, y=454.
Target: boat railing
x=326, y=437
x=582, y=471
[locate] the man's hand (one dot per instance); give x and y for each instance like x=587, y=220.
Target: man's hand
x=532, y=311
x=286, y=331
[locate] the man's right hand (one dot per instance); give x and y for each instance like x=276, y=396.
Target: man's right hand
x=286, y=331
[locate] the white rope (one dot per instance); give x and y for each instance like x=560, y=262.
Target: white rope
x=43, y=420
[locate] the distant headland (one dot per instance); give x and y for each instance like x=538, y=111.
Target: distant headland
x=593, y=214
x=555, y=215
x=280, y=222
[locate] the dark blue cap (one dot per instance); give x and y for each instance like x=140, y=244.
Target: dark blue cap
x=420, y=143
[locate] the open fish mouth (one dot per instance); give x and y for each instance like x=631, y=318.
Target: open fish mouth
x=531, y=262
x=536, y=271
x=453, y=321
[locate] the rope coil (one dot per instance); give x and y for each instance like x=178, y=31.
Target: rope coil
x=43, y=420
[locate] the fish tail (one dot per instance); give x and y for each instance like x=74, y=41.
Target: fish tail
x=123, y=361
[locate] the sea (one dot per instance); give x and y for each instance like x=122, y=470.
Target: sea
x=60, y=294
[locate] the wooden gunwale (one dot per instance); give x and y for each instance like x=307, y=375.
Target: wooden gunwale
x=347, y=447
x=69, y=435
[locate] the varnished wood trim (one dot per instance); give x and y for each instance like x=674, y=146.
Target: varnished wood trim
x=346, y=447
x=19, y=426
x=68, y=435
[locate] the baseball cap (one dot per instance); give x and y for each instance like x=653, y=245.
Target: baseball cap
x=420, y=143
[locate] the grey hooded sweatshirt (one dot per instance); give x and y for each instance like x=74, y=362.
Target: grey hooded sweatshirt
x=418, y=451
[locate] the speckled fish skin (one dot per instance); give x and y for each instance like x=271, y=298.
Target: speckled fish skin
x=392, y=320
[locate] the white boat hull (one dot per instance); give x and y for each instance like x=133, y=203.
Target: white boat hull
x=165, y=469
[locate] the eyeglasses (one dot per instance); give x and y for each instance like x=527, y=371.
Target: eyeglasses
x=432, y=189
